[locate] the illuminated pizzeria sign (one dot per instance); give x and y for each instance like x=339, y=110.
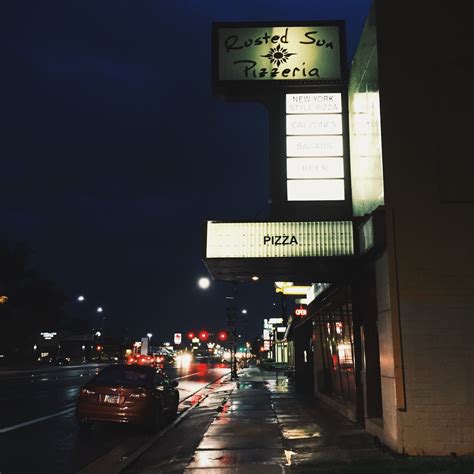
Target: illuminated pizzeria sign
x=279, y=239
x=278, y=52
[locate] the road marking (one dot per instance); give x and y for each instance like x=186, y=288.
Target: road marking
x=63, y=412
x=185, y=376
x=37, y=420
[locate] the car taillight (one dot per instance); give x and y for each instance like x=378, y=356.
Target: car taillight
x=86, y=391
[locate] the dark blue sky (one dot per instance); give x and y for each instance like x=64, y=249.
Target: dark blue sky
x=115, y=152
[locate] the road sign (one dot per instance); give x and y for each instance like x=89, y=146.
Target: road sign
x=177, y=338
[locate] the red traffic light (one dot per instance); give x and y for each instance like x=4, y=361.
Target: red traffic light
x=190, y=335
x=222, y=336
x=203, y=335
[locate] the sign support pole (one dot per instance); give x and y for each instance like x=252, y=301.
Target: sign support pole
x=234, y=375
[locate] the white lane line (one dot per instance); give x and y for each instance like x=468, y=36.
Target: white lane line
x=36, y=420
x=186, y=376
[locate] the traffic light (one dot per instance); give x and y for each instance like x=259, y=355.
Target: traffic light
x=190, y=335
x=222, y=336
x=203, y=335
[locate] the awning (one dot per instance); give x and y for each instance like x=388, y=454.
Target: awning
x=280, y=251
x=327, y=269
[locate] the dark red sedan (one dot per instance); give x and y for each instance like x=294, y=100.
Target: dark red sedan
x=128, y=394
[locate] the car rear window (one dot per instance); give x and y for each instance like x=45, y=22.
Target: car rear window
x=126, y=376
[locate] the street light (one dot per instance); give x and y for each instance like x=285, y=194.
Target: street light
x=99, y=309
x=148, y=335
x=244, y=311
x=204, y=283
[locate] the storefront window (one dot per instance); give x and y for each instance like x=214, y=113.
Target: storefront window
x=337, y=343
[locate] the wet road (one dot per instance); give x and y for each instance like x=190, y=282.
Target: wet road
x=38, y=429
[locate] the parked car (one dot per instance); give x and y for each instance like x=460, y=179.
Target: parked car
x=132, y=394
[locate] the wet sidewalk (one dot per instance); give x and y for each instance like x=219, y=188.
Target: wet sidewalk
x=264, y=426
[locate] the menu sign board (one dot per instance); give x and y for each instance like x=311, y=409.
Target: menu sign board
x=314, y=147
x=309, y=52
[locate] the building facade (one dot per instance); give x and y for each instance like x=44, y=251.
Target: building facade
x=396, y=354
x=387, y=341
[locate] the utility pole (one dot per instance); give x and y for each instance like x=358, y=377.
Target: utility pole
x=231, y=315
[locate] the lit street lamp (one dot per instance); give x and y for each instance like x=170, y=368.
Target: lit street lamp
x=204, y=283
x=99, y=309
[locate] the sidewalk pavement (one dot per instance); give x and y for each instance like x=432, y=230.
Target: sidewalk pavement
x=264, y=426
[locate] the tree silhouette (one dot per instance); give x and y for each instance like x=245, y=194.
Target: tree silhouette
x=34, y=303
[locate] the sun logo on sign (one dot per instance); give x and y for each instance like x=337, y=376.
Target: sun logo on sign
x=278, y=55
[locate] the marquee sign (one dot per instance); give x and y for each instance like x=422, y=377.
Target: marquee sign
x=279, y=239
x=283, y=53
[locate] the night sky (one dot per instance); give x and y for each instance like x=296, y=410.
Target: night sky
x=114, y=152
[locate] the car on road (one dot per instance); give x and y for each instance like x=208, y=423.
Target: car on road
x=139, y=395
x=140, y=359
x=164, y=359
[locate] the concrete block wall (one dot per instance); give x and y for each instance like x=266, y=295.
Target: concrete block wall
x=438, y=373
x=387, y=364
